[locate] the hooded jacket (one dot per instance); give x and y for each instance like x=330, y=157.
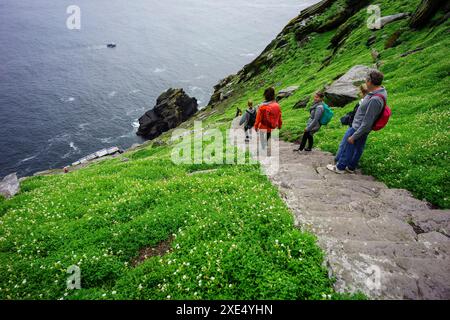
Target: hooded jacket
x=316, y=112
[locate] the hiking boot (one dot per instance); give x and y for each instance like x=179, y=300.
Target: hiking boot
x=350, y=170
x=335, y=169
x=308, y=150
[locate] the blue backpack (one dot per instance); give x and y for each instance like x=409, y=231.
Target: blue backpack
x=327, y=114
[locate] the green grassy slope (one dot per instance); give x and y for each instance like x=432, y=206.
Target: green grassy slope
x=413, y=151
x=231, y=236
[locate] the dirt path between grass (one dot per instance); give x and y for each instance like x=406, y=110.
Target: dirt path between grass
x=377, y=240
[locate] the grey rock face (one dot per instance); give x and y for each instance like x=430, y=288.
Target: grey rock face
x=9, y=186
x=389, y=19
x=345, y=89
x=286, y=92
x=172, y=108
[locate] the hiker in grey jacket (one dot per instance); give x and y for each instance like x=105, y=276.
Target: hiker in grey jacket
x=368, y=112
x=248, y=120
x=366, y=116
x=316, y=111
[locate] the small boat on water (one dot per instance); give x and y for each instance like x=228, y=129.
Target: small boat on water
x=111, y=45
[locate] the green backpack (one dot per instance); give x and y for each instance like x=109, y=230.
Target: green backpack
x=327, y=115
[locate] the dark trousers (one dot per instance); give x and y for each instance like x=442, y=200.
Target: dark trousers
x=307, y=137
x=248, y=131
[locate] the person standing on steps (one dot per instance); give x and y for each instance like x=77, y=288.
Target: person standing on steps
x=366, y=116
x=248, y=120
x=268, y=117
x=313, y=125
x=347, y=120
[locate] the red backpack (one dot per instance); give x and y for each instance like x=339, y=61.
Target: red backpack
x=270, y=116
x=385, y=114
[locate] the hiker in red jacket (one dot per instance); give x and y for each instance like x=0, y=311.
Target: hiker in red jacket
x=268, y=117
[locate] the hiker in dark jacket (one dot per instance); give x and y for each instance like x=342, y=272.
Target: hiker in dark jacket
x=248, y=120
x=348, y=120
x=365, y=118
x=313, y=125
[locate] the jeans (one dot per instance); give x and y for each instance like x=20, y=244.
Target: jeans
x=307, y=136
x=351, y=153
x=342, y=145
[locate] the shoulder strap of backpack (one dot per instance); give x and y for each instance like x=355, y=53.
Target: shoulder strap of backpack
x=382, y=98
x=384, y=105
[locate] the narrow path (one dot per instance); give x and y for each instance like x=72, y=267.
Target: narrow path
x=377, y=240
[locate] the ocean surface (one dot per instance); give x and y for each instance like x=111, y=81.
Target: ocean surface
x=64, y=94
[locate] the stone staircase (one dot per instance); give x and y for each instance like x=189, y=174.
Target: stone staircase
x=377, y=240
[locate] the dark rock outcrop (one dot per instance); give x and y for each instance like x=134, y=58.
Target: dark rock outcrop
x=302, y=103
x=411, y=52
x=9, y=186
x=393, y=40
x=222, y=90
x=372, y=39
x=344, y=31
x=424, y=12
x=172, y=108
x=341, y=17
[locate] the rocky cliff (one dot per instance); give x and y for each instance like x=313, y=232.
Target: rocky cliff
x=338, y=16
x=172, y=108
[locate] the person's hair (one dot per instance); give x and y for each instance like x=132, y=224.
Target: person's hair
x=364, y=90
x=250, y=103
x=375, y=77
x=320, y=94
x=269, y=94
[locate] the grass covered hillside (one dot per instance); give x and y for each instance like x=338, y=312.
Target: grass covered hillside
x=141, y=227
x=146, y=228
x=413, y=151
